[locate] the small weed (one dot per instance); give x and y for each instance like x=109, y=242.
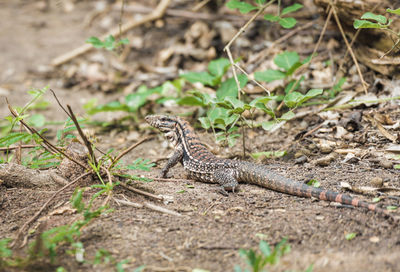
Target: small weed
x=258, y=261
x=314, y=183
x=281, y=17
x=109, y=42
x=350, y=236
x=371, y=20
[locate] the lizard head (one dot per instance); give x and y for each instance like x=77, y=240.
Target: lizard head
x=166, y=124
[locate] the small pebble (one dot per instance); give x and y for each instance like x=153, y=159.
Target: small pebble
x=386, y=164
x=377, y=182
x=300, y=160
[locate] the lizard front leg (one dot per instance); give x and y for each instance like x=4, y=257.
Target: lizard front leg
x=172, y=161
x=226, y=179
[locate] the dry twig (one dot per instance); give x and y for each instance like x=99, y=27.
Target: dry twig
x=123, y=153
x=141, y=192
x=157, y=13
x=147, y=205
x=363, y=83
x=241, y=30
x=45, y=205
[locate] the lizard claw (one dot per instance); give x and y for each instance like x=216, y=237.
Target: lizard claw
x=222, y=191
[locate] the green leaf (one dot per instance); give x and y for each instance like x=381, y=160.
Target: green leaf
x=294, y=67
x=262, y=99
x=293, y=99
x=265, y=248
x=371, y=16
x=202, y=77
x=37, y=120
x=287, y=116
x=288, y=22
x=313, y=182
x=95, y=42
x=365, y=24
x=286, y=60
x=269, y=125
x=269, y=75
x=236, y=103
x=191, y=101
x=313, y=93
x=394, y=11
x=271, y=17
x=124, y=41
x=109, y=42
x=205, y=122
x=229, y=87
x=289, y=86
x=396, y=166
x=243, y=7
x=376, y=199
x=392, y=208
x=218, y=67
x=350, y=236
x=291, y=8
x=135, y=100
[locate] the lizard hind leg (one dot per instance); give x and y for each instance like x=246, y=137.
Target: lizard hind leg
x=226, y=179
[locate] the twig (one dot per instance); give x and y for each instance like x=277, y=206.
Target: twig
x=200, y=5
x=160, y=209
x=255, y=81
x=123, y=153
x=171, y=179
x=141, y=192
x=328, y=18
x=66, y=112
x=33, y=218
x=88, y=144
x=363, y=83
x=128, y=203
x=59, y=103
x=147, y=205
x=48, y=146
x=157, y=13
x=241, y=30
x=16, y=147
x=312, y=130
x=266, y=52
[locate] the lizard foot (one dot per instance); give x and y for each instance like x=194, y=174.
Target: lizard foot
x=222, y=191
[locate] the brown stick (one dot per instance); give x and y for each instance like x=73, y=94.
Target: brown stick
x=123, y=153
x=33, y=218
x=141, y=192
x=157, y=13
x=147, y=205
x=8, y=148
x=363, y=83
x=88, y=144
x=328, y=18
x=48, y=146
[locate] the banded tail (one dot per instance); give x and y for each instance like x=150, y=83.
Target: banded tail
x=261, y=176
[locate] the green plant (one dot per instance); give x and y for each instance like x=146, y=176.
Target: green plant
x=257, y=261
x=285, y=22
x=133, y=102
x=109, y=42
x=371, y=20
x=69, y=234
x=225, y=112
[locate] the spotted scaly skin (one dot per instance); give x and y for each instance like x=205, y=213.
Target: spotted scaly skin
x=204, y=166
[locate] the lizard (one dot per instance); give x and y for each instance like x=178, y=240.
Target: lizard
x=204, y=166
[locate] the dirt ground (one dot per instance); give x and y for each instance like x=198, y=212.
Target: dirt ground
x=212, y=227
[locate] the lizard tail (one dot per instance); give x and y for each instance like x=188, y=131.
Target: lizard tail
x=259, y=175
